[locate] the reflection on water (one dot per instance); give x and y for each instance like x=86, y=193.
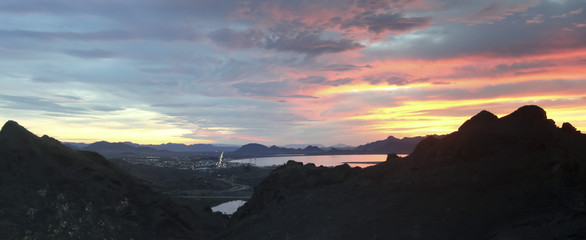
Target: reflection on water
x=228, y=208
x=323, y=160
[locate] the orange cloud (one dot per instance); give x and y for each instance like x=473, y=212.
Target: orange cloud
x=498, y=84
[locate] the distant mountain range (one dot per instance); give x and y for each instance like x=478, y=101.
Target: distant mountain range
x=295, y=146
x=389, y=145
x=121, y=149
x=259, y=150
x=172, y=147
x=113, y=150
x=178, y=147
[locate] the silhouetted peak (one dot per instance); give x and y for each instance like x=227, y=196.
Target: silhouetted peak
x=13, y=131
x=567, y=127
x=481, y=119
x=312, y=148
x=391, y=138
x=528, y=113
x=254, y=145
x=10, y=126
x=10, y=123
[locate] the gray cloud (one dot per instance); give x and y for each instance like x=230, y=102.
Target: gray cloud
x=297, y=37
x=103, y=108
x=264, y=89
x=454, y=40
x=285, y=36
x=46, y=80
x=313, y=79
x=496, y=11
x=164, y=34
x=345, y=67
x=386, y=22
x=324, y=81
x=339, y=82
x=91, y=54
x=391, y=78
x=300, y=96
x=36, y=104
x=517, y=68
x=237, y=39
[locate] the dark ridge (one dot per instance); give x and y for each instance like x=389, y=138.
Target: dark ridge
x=517, y=177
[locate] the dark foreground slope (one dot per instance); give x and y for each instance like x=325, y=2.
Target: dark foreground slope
x=517, y=177
x=48, y=191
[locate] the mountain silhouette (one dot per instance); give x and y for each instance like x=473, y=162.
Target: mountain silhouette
x=515, y=177
x=255, y=149
x=200, y=147
x=49, y=191
x=391, y=145
x=113, y=150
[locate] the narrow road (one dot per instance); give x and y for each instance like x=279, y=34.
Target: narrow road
x=219, y=194
x=214, y=197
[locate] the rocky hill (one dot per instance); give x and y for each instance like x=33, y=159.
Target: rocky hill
x=515, y=177
x=49, y=191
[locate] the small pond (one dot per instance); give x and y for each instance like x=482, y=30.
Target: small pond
x=228, y=208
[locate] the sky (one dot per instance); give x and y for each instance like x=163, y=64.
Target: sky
x=285, y=72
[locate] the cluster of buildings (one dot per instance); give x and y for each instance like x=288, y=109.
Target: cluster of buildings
x=177, y=162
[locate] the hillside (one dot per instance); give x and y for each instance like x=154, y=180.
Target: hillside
x=49, y=191
x=515, y=177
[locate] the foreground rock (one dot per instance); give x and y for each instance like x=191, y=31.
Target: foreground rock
x=517, y=177
x=48, y=191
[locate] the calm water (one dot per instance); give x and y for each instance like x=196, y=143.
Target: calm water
x=323, y=160
x=228, y=208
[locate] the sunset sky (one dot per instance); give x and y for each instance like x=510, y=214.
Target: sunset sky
x=285, y=72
